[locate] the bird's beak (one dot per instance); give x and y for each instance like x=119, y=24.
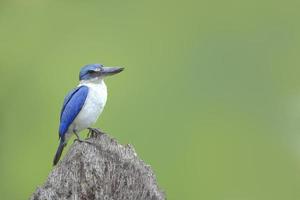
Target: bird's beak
x=108, y=71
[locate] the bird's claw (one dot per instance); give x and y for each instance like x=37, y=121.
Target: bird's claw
x=79, y=140
x=94, y=131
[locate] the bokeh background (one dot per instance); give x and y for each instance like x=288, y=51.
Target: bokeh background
x=210, y=97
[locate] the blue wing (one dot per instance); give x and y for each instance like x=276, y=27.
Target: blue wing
x=71, y=107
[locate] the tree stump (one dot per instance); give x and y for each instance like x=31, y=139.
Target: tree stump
x=104, y=170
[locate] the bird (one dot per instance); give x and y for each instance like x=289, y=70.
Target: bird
x=83, y=105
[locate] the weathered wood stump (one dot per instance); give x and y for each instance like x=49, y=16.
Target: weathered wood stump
x=104, y=169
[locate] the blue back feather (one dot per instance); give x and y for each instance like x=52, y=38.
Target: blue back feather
x=71, y=107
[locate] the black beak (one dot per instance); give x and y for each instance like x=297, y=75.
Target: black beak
x=108, y=71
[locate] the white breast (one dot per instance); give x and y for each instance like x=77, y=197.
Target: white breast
x=93, y=106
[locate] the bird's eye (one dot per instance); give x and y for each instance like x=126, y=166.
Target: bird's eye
x=93, y=73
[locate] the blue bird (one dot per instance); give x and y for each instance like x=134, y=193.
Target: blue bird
x=83, y=105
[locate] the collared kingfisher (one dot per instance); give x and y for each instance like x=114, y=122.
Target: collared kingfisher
x=83, y=105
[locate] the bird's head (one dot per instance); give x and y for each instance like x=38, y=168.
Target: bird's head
x=97, y=72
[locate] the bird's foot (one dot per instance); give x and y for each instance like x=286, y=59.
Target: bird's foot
x=94, y=131
x=80, y=140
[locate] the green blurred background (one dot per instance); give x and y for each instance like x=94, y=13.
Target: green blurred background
x=210, y=97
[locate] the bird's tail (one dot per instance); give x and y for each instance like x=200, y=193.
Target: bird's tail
x=59, y=151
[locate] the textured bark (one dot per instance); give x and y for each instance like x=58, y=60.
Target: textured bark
x=101, y=170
